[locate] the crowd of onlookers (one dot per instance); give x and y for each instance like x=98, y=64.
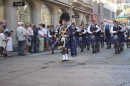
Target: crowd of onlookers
x=31, y=39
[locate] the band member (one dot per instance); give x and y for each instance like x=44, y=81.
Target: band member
x=102, y=34
x=76, y=33
x=87, y=37
x=93, y=31
x=108, y=36
x=121, y=29
x=82, y=38
x=115, y=37
x=67, y=38
x=127, y=36
x=52, y=38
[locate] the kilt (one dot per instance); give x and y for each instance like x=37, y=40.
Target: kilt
x=84, y=40
x=121, y=38
x=98, y=39
x=80, y=41
x=52, y=41
x=87, y=39
x=115, y=40
x=102, y=38
x=67, y=44
x=92, y=40
x=76, y=39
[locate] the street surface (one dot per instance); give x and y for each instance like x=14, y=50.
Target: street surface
x=102, y=69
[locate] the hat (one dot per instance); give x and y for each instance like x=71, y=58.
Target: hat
x=64, y=16
x=40, y=22
x=20, y=23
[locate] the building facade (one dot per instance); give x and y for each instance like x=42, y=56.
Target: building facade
x=45, y=11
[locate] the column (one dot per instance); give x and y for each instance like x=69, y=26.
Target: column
x=10, y=16
x=55, y=20
x=36, y=15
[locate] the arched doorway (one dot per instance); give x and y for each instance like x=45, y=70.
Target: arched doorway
x=1, y=11
x=60, y=11
x=45, y=15
x=23, y=13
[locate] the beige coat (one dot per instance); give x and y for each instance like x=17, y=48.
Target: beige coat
x=2, y=42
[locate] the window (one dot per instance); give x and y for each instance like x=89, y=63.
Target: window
x=45, y=15
x=23, y=13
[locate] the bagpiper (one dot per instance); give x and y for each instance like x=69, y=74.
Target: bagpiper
x=121, y=29
x=115, y=37
x=87, y=37
x=127, y=36
x=102, y=35
x=94, y=30
x=66, y=37
x=52, y=38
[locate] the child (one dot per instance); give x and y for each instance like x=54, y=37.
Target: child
x=9, y=47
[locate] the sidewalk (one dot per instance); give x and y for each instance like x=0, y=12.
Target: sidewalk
x=35, y=54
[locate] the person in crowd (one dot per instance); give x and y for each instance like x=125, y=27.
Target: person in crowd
x=5, y=28
x=21, y=35
x=35, y=31
x=31, y=36
x=67, y=38
x=3, y=41
x=41, y=39
x=102, y=35
x=28, y=40
x=9, y=46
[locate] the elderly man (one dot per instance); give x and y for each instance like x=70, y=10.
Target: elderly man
x=21, y=34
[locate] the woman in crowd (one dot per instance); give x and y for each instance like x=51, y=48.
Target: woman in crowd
x=28, y=40
x=2, y=43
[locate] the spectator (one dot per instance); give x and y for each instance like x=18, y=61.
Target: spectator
x=35, y=31
x=41, y=39
x=31, y=36
x=5, y=28
x=21, y=34
x=44, y=31
x=9, y=46
x=28, y=41
x=2, y=43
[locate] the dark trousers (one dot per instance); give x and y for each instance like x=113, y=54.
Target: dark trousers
x=35, y=45
x=30, y=47
x=1, y=50
x=21, y=45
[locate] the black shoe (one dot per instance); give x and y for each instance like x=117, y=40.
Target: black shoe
x=19, y=54
x=67, y=60
x=52, y=53
x=23, y=55
x=63, y=60
x=93, y=52
x=115, y=52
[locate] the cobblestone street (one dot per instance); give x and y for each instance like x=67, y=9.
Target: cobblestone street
x=87, y=69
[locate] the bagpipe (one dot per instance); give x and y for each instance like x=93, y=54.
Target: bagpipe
x=62, y=39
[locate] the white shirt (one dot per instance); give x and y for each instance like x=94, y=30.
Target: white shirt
x=98, y=29
x=44, y=31
x=40, y=33
x=112, y=30
x=2, y=43
x=30, y=31
x=21, y=33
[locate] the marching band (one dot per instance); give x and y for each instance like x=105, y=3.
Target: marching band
x=94, y=36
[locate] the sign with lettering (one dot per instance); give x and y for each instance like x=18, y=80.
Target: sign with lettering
x=18, y=3
x=75, y=16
